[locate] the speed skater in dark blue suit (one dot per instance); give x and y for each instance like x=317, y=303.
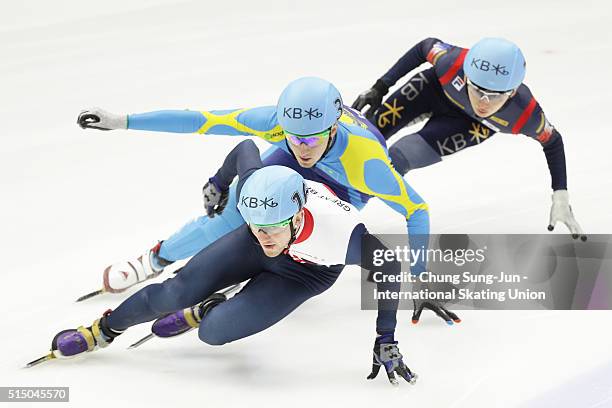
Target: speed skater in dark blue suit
x=466, y=97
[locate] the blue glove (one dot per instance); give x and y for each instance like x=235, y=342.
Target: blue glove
x=387, y=354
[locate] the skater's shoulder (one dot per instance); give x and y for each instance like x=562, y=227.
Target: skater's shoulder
x=524, y=97
x=260, y=121
x=443, y=55
x=359, y=136
x=258, y=118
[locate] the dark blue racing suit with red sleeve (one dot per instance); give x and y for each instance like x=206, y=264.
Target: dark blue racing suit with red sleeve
x=439, y=94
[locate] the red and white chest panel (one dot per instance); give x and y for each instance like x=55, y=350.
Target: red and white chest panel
x=326, y=231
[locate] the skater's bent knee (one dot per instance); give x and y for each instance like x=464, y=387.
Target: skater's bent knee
x=213, y=335
x=412, y=152
x=217, y=329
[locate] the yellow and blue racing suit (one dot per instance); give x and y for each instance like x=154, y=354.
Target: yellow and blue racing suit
x=356, y=167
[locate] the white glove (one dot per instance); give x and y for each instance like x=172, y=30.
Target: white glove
x=96, y=118
x=562, y=211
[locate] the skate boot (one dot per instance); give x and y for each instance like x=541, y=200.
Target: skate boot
x=184, y=320
x=72, y=342
x=120, y=276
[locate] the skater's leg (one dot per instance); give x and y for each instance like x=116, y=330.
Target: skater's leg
x=267, y=299
x=412, y=152
x=442, y=135
x=201, y=232
x=232, y=259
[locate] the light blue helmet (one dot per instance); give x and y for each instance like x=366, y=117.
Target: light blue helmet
x=308, y=105
x=495, y=64
x=271, y=194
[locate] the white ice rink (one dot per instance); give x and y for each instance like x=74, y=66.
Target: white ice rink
x=73, y=201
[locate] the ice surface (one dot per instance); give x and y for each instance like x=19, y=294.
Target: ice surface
x=74, y=200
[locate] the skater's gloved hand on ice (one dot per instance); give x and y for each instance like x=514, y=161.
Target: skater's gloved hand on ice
x=215, y=199
x=387, y=354
x=372, y=97
x=96, y=118
x=562, y=211
x=446, y=315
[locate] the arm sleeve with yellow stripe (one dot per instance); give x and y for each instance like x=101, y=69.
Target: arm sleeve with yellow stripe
x=260, y=122
x=369, y=170
x=414, y=209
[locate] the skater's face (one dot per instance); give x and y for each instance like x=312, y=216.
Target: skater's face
x=309, y=149
x=273, y=241
x=486, y=103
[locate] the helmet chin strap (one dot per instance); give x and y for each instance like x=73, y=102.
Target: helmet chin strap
x=293, y=234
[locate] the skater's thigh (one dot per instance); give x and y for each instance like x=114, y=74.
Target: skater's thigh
x=265, y=300
x=201, y=232
x=448, y=134
x=232, y=259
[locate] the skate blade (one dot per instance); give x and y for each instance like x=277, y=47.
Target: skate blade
x=151, y=336
x=41, y=360
x=227, y=291
x=230, y=290
x=91, y=294
x=141, y=341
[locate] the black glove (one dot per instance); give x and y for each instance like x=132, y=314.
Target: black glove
x=448, y=316
x=372, y=97
x=386, y=353
x=215, y=199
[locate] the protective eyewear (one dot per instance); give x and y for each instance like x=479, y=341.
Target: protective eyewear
x=311, y=140
x=491, y=96
x=272, y=229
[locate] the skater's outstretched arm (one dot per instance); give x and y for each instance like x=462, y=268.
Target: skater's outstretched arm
x=260, y=122
x=428, y=50
x=369, y=170
x=362, y=249
x=534, y=124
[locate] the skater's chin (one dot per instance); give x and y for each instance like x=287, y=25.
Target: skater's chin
x=271, y=250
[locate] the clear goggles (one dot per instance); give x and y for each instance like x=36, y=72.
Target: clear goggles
x=311, y=140
x=491, y=96
x=272, y=229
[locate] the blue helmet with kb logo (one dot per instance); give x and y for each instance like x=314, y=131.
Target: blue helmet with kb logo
x=271, y=194
x=495, y=64
x=308, y=105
